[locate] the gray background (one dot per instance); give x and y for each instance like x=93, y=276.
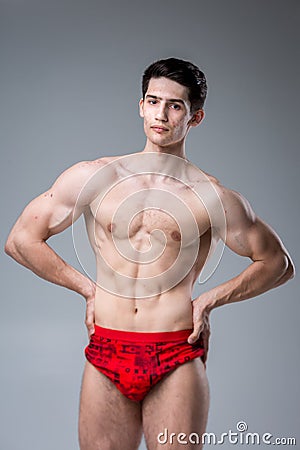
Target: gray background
x=70, y=84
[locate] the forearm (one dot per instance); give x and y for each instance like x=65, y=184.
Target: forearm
x=44, y=262
x=256, y=279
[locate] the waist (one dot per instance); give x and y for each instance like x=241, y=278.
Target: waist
x=166, y=314
x=142, y=336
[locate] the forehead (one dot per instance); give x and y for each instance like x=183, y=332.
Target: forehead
x=167, y=89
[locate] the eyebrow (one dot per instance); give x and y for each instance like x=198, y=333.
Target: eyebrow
x=177, y=100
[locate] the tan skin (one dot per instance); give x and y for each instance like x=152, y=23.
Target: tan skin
x=180, y=402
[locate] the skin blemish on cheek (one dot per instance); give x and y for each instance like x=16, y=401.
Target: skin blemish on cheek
x=51, y=195
x=35, y=217
x=135, y=310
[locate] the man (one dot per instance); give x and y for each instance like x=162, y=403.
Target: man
x=153, y=220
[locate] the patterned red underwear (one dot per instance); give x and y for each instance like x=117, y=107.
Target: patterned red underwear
x=136, y=361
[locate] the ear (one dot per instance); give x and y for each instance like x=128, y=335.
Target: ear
x=141, y=106
x=197, y=118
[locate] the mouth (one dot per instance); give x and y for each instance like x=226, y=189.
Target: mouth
x=159, y=128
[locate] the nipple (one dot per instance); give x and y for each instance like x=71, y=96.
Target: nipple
x=176, y=236
x=111, y=227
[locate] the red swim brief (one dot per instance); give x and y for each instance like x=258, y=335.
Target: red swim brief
x=136, y=361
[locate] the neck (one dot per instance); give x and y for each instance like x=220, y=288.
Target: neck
x=177, y=149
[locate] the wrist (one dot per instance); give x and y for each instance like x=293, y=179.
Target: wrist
x=206, y=302
x=88, y=289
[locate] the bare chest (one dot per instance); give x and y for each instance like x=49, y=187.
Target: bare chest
x=136, y=209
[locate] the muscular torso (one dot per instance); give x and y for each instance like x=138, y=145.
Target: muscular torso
x=151, y=235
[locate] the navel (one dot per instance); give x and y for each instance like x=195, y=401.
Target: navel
x=176, y=236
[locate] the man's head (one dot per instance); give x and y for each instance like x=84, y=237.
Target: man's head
x=184, y=73
x=173, y=96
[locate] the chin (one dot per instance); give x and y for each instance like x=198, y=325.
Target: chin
x=163, y=141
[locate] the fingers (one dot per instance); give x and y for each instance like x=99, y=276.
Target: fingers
x=90, y=316
x=195, y=334
x=205, y=343
x=201, y=330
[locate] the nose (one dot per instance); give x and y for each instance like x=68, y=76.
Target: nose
x=161, y=112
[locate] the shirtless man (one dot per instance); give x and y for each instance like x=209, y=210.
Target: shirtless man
x=153, y=218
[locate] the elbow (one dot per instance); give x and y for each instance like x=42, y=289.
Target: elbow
x=14, y=245
x=286, y=268
x=290, y=271
x=10, y=247
x=19, y=245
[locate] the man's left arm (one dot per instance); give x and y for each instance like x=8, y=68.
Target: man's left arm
x=247, y=235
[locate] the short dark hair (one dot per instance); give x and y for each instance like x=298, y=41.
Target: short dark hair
x=183, y=72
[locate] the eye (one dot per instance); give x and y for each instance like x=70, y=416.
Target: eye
x=152, y=102
x=175, y=106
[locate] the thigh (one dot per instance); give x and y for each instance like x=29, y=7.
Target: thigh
x=107, y=419
x=177, y=404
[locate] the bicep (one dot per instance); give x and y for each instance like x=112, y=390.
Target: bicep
x=56, y=209
x=248, y=235
x=48, y=216
x=45, y=216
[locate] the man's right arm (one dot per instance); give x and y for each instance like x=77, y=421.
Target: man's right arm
x=49, y=214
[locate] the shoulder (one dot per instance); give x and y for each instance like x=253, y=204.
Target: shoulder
x=86, y=168
x=78, y=174
x=211, y=178
x=236, y=208
x=72, y=181
x=228, y=196
x=83, y=168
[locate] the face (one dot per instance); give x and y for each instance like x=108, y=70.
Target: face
x=166, y=112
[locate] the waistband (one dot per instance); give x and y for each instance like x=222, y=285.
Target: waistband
x=141, y=336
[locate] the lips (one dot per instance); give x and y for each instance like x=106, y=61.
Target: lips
x=159, y=129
